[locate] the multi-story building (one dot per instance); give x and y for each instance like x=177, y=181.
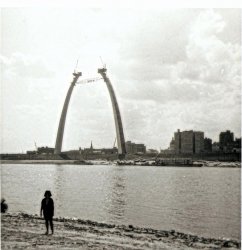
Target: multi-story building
x=207, y=145
x=172, y=145
x=198, y=142
x=230, y=147
x=215, y=147
x=177, y=138
x=237, y=143
x=133, y=148
x=225, y=138
x=189, y=142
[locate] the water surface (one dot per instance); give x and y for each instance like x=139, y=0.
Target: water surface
x=202, y=201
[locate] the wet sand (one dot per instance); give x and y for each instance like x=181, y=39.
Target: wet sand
x=23, y=231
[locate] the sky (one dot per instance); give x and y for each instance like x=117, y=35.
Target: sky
x=170, y=68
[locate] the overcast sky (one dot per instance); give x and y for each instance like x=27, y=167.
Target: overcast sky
x=171, y=69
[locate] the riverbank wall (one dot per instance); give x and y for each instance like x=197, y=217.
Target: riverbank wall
x=227, y=157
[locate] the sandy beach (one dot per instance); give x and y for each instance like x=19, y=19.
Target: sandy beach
x=24, y=231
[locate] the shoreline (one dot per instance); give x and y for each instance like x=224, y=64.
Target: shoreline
x=57, y=162
x=25, y=231
x=197, y=163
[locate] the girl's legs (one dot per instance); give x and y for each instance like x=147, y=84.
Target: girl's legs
x=51, y=225
x=47, y=225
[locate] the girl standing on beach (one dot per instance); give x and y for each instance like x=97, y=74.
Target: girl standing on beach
x=47, y=206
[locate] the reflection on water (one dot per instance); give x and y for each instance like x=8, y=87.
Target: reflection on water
x=194, y=200
x=58, y=187
x=115, y=198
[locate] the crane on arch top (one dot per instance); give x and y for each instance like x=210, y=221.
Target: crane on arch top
x=116, y=112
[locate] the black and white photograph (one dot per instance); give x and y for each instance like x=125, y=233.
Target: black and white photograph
x=120, y=127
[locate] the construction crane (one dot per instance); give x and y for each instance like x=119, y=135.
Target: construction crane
x=104, y=64
x=36, y=148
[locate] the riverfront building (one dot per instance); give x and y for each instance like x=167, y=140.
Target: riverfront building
x=98, y=151
x=226, y=137
x=207, y=145
x=172, y=145
x=133, y=148
x=198, y=142
x=189, y=142
x=226, y=140
x=42, y=151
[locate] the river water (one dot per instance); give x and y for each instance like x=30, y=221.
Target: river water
x=201, y=201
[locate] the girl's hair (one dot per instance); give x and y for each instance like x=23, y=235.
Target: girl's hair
x=47, y=192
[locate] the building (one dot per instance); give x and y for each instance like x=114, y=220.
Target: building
x=99, y=151
x=237, y=145
x=177, y=143
x=172, y=145
x=109, y=151
x=188, y=142
x=133, y=148
x=215, y=147
x=198, y=142
x=31, y=152
x=152, y=151
x=225, y=140
x=207, y=145
x=234, y=146
x=41, y=151
x=45, y=150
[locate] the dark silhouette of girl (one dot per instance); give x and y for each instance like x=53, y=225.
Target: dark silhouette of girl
x=4, y=206
x=47, y=205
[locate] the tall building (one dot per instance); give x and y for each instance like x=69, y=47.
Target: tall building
x=177, y=137
x=207, y=145
x=198, y=142
x=225, y=138
x=189, y=142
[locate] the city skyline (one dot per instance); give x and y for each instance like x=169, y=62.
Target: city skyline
x=170, y=69
x=92, y=143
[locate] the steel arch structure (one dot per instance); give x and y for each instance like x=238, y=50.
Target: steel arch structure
x=116, y=114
